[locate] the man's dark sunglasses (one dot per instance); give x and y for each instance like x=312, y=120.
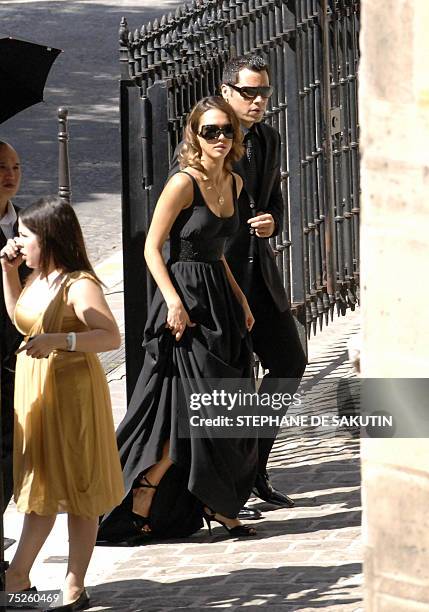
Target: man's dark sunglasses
x=213, y=132
x=250, y=93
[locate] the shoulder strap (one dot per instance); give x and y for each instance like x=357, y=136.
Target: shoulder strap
x=194, y=180
x=234, y=187
x=198, y=199
x=72, y=277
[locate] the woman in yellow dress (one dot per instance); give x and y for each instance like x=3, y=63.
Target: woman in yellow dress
x=65, y=452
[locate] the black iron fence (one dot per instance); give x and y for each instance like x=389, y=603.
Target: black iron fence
x=312, y=48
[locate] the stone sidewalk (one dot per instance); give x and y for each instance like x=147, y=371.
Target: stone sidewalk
x=307, y=558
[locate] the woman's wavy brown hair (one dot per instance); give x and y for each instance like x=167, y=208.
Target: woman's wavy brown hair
x=190, y=151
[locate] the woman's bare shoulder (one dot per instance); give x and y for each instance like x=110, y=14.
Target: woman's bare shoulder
x=182, y=179
x=86, y=287
x=238, y=181
x=178, y=191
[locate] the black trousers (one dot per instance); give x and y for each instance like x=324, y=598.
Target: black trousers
x=277, y=344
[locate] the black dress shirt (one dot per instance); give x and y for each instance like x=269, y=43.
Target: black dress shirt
x=254, y=162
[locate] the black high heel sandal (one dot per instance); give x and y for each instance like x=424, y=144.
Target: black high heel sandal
x=140, y=522
x=234, y=532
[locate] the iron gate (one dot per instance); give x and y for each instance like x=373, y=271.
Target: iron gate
x=312, y=49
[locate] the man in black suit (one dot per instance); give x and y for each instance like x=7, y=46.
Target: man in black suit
x=246, y=87
x=10, y=178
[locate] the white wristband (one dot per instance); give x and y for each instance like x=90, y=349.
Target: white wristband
x=71, y=341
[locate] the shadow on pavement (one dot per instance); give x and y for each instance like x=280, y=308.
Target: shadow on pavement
x=265, y=529
x=283, y=588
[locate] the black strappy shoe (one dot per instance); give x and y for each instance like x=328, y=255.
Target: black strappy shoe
x=234, y=532
x=140, y=522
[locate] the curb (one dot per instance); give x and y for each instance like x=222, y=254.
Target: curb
x=110, y=270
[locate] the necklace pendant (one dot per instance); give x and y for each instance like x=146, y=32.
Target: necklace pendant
x=221, y=200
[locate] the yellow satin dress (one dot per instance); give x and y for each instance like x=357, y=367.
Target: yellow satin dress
x=65, y=456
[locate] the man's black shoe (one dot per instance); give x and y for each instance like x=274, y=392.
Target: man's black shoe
x=265, y=490
x=249, y=514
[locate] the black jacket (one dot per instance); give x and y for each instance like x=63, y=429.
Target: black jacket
x=10, y=338
x=245, y=251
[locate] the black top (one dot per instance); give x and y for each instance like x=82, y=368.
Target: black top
x=198, y=234
x=245, y=253
x=10, y=338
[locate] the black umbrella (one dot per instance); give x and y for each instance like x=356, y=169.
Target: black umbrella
x=24, y=68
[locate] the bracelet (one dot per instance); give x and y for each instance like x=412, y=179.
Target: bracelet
x=71, y=341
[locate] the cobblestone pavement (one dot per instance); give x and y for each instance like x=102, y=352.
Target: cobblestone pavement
x=85, y=79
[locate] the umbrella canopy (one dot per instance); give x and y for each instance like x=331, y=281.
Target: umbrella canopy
x=24, y=68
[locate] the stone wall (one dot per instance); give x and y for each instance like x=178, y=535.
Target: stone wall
x=394, y=117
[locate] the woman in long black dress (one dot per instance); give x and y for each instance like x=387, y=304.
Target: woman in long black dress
x=197, y=329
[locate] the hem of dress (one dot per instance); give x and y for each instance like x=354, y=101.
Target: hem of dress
x=106, y=508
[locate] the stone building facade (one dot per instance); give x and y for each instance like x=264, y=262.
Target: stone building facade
x=394, y=117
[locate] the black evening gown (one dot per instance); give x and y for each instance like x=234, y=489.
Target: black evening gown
x=217, y=472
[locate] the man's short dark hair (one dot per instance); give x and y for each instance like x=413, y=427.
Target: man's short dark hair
x=254, y=62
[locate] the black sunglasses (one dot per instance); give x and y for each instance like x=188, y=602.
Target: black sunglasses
x=250, y=93
x=213, y=132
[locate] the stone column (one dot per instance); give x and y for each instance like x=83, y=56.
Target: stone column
x=394, y=116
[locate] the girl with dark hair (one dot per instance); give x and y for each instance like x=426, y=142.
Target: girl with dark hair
x=197, y=329
x=65, y=453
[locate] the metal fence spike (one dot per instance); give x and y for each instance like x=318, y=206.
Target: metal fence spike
x=123, y=30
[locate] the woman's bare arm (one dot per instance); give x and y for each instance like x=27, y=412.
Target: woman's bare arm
x=177, y=195
x=86, y=298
